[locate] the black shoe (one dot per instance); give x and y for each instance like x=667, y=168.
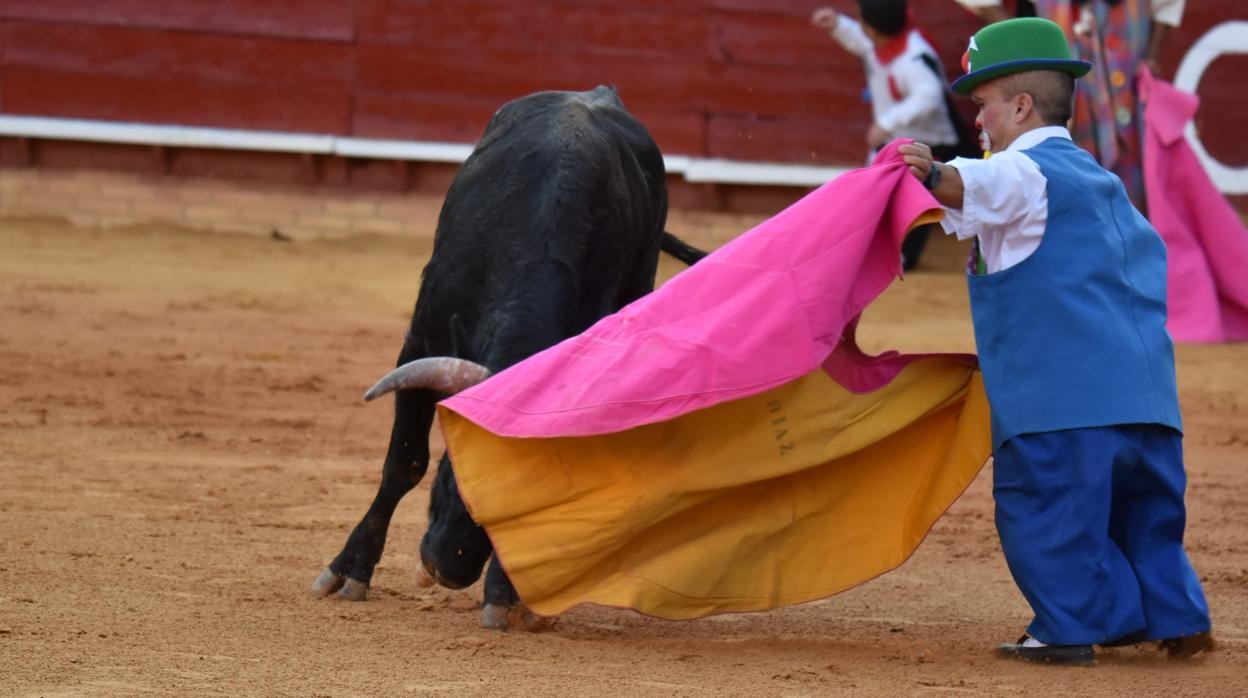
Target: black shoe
x=1064, y=655
x=1127, y=640
x=1188, y=645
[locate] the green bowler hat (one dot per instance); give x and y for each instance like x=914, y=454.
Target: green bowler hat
x=1015, y=46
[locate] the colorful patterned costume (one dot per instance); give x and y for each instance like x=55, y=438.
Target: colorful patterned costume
x=1107, y=123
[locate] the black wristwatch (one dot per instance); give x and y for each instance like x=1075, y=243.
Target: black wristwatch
x=932, y=180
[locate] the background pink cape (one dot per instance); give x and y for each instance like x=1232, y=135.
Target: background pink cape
x=767, y=308
x=1206, y=242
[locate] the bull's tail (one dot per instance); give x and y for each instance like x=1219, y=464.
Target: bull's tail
x=680, y=249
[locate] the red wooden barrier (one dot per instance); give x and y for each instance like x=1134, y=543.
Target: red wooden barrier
x=747, y=79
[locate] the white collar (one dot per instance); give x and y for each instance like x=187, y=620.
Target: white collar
x=1038, y=135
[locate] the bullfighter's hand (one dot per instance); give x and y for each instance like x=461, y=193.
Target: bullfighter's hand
x=919, y=157
x=824, y=18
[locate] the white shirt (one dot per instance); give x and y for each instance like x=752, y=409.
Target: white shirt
x=1005, y=201
x=921, y=112
x=1168, y=12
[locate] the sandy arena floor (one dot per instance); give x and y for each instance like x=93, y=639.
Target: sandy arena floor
x=183, y=447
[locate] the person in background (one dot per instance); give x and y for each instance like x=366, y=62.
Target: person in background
x=1117, y=37
x=1068, y=302
x=909, y=98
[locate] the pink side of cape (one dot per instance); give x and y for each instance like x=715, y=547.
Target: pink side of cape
x=769, y=307
x=1206, y=242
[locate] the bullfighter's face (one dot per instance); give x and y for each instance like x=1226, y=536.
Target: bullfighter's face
x=454, y=549
x=999, y=114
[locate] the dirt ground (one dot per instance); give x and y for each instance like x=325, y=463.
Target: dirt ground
x=183, y=447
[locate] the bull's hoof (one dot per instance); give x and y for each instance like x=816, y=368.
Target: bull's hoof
x=494, y=617
x=532, y=622
x=353, y=590
x=327, y=583
x=348, y=589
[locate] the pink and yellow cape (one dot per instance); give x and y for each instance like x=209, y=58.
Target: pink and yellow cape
x=722, y=444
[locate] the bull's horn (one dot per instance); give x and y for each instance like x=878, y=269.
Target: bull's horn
x=445, y=374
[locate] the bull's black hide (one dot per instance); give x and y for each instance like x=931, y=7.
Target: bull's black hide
x=555, y=220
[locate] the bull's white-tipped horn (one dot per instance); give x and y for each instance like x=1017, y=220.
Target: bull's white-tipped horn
x=445, y=374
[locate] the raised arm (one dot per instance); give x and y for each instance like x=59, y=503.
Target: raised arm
x=847, y=32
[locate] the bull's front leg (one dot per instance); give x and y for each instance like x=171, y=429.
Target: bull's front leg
x=351, y=571
x=502, y=607
x=500, y=597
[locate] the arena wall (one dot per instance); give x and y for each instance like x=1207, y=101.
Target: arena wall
x=742, y=80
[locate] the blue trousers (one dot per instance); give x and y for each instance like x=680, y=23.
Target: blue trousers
x=1091, y=522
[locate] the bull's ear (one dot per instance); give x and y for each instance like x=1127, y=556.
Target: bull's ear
x=444, y=374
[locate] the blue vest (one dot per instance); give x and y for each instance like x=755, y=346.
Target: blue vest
x=1075, y=335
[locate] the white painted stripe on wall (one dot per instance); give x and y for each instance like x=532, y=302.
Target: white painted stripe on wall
x=162, y=134
x=705, y=170
x=401, y=150
x=742, y=172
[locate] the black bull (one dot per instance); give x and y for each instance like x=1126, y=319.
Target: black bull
x=555, y=220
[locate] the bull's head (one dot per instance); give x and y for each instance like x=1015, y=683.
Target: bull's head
x=454, y=549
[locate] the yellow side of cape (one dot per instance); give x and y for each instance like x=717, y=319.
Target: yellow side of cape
x=784, y=497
